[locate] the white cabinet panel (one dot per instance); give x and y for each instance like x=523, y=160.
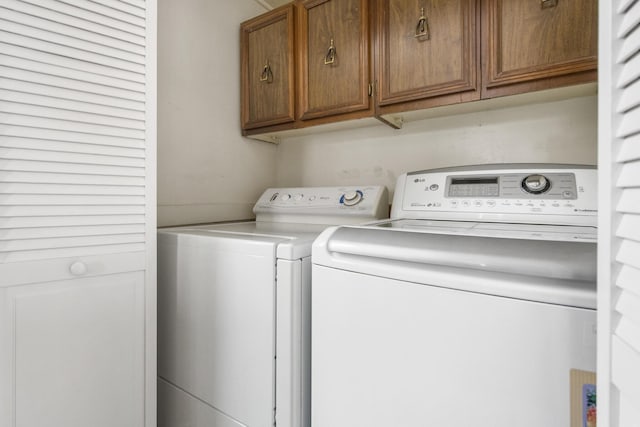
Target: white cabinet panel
x=70, y=346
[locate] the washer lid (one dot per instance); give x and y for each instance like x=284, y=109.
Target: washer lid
x=554, y=271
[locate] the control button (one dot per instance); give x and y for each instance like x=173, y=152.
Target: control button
x=298, y=197
x=434, y=187
x=567, y=194
x=285, y=197
x=465, y=203
x=352, y=198
x=555, y=205
x=453, y=203
x=478, y=203
x=535, y=184
x=491, y=203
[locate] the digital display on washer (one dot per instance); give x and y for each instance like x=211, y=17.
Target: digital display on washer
x=482, y=186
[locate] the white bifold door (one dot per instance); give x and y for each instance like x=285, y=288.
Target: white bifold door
x=77, y=213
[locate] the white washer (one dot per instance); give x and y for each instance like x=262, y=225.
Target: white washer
x=470, y=307
x=233, y=309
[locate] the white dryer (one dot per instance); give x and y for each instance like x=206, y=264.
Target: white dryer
x=470, y=307
x=233, y=309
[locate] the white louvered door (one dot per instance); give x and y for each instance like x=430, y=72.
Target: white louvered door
x=619, y=225
x=77, y=213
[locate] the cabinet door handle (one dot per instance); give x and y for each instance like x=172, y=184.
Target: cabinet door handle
x=78, y=268
x=330, y=57
x=422, y=29
x=267, y=74
x=545, y=4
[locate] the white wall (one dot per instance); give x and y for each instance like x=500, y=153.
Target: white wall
x=206, y=170
x=561, y=131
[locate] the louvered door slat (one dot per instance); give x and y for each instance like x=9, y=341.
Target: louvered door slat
x=630, y=98
x=629, y=201
x=68, y=73
x=629, y=173
x=629, y=228
x=36, y=223
x=68, y=105
x=60, y=32
x=70, y=147
x=81, y=180
x=72, y=21
x=69, y=63
x=72, y=168
x=631, y=72
x=50, y=9
x=628, y=253
x=70, y=43
x=59, y=189
x=113, y=13
x=81, y=158
x=630, y=21
x=628, y=278
x=43, y=78
x=630, y=150
x=123, y=6
x=56, y=232
x=22, y=109
x=72, y=210
x=55, y=92
x=68, y=126
x=71, y=52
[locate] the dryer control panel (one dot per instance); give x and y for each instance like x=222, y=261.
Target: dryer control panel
x=539, y=193
x=323, y=205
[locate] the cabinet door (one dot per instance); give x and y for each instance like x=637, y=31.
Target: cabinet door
x=538, y=44
x=426, y=49
x=334, y=47
x=72, y=353
x=268, y=69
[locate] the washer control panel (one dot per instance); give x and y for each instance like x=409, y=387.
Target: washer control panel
x=512, y=186
x=323, y=204
x=541, y=193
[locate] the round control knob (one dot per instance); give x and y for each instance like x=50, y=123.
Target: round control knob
x=535, y=184
x=285, y=197
x=352, y=198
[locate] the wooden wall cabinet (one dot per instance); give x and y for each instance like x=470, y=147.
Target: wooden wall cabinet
x=419, y=54
x=334, y=63
x=480, y=49
x=427, y=53
x=533, y=45
x=268, y=69
x=304, y=64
